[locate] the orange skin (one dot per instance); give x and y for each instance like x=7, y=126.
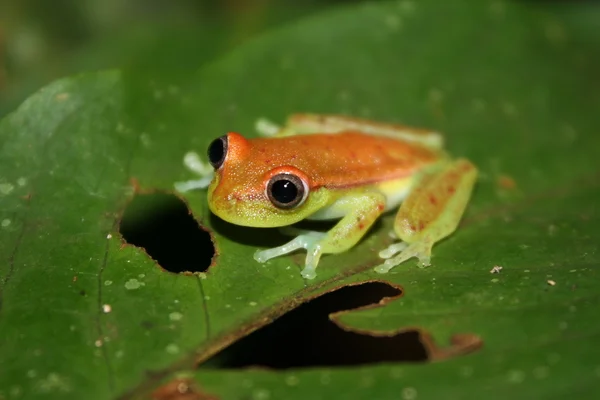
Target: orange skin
x=341, y=161
x=333, y=161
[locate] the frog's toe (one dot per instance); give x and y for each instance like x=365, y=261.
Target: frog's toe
x=392, y=250
x=309, y=241
x=186, y=186
x=193, y=162
x=313, y=255
x=385, y=267
x=424, y=260
x=308, y=273
x=262, y=256
x=305, y=241
x=420, y=250
x=266, y=127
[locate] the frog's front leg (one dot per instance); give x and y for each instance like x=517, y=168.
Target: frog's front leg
x=431, y=212
x=360, y=211
x=193, y=162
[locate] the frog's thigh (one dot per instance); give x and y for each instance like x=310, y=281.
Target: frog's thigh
x=435, y=206
x=432, y=211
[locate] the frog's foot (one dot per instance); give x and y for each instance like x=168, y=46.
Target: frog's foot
x=421, y=250
x=193, y=162
x=186, y=186
x=309, y=241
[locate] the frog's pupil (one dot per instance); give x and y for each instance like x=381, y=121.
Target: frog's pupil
x=216, y=152
x=284, y=191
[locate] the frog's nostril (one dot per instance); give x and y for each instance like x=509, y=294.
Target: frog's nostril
x=162, y=225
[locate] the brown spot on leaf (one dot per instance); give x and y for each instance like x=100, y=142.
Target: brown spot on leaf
x=506, y=182
x=135, y=184
x=460, y=345
x=558, y=192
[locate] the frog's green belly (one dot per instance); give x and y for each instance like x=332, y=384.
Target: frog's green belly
x=395, y=192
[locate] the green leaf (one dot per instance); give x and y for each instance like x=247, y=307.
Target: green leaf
x=84, y=316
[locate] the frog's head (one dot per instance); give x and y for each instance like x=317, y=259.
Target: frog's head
x=254, y=187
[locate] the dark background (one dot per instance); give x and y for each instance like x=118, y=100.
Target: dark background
x=41, y=40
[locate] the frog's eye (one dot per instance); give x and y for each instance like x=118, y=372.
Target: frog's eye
x=217, y=151
x=286, y=191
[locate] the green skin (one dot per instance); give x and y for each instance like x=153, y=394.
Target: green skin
x=419, y=223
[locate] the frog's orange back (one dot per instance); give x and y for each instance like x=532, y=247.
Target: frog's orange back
x=329, y=160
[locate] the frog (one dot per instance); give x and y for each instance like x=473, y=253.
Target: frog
x=341, y=168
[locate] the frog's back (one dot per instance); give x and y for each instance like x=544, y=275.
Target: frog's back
x=345, y=159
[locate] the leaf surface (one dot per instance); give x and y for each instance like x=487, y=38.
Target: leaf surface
x=84, y=314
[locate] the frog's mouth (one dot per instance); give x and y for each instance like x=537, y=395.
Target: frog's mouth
x=251, y=212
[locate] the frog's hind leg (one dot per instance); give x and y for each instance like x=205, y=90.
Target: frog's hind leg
x=267, y=128
x=431, y=212
x=295, y=125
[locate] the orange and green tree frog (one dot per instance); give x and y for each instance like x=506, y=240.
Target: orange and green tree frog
x=322, y=167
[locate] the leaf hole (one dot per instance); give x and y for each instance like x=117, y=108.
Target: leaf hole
x=307, y=336
x=163, y=226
